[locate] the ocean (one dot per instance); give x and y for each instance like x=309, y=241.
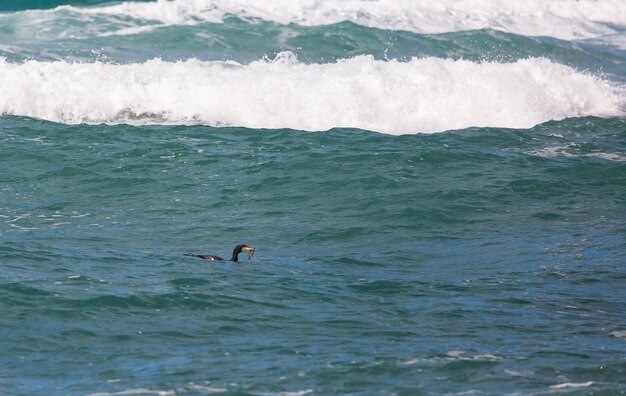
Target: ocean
x=435, y=191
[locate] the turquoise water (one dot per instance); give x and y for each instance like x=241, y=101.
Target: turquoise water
x=477, y=260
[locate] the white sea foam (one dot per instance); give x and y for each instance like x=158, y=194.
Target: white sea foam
x=295, y=393
x=619, y=334
x=136, y=391
x=420, y=95
x=191, y=387
x=569, y=385
x=571, y=151
x=462, y=355
x=564, y=19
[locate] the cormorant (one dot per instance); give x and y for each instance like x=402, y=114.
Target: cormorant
x=238, y=249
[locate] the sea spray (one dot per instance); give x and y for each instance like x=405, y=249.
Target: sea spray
x=395, y=97
x=561, y=19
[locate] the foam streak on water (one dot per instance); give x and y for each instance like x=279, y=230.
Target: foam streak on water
x=420, y=95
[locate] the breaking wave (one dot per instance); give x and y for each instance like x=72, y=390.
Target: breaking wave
x=566, y=20
x=395, y=97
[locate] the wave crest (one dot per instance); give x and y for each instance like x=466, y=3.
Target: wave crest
x=561, y=19
x=420, y=95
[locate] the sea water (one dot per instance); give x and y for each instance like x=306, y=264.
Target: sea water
x=435, y=191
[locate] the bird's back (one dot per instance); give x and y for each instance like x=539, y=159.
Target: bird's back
x=205, y=256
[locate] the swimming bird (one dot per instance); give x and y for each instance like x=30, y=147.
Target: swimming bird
x=238, y=249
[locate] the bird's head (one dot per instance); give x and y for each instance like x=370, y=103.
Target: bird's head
x=243, y=248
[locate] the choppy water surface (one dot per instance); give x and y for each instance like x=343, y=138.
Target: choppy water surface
x=456, y=225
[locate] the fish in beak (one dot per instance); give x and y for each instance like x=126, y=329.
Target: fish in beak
x=250, y=251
